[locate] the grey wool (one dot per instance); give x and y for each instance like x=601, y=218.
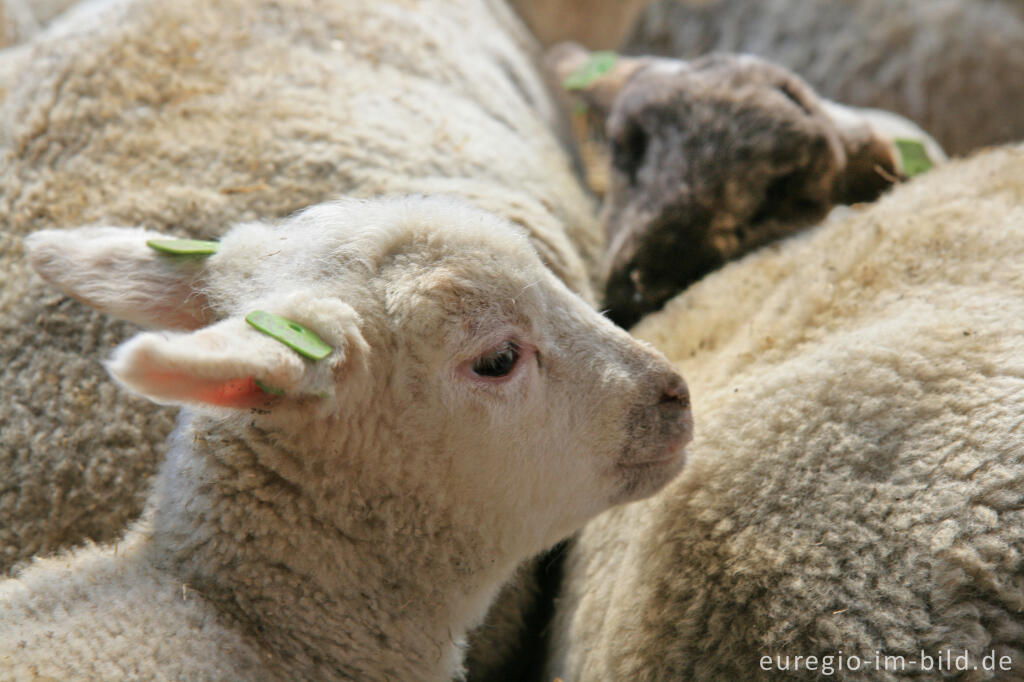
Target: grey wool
x=951, y=66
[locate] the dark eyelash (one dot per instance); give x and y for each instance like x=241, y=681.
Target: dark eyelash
x=498, y=362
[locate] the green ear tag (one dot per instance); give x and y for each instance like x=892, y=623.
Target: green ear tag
x=597, y=65
x=292, y=334
x=183, y=247
x=273, y=390
x=915, y=158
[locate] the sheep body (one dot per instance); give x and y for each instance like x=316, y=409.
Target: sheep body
x=185, y=117
x=356, y=518
x=857, y=481
x=125, y=600
x=941, y=63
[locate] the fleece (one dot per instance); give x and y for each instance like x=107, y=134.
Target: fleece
x=856, y=483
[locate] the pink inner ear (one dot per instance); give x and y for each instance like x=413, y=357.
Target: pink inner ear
x=238, y=393
x=234, y=393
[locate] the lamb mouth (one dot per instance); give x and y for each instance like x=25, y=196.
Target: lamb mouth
x=676, y=452
x=642, y=478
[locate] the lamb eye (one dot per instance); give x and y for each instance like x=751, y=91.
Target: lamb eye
x=629, y=150
x=499, y=362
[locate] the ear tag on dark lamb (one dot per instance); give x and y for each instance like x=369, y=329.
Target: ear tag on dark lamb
x=597, y=65
x=914, y=156
x=183, y=247
x=292, y=334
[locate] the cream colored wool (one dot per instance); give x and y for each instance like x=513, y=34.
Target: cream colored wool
x=952, y=66
x=187, y=116
x=857, y=479
x=356, y=519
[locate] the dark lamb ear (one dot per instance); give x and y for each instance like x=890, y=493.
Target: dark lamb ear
x=112, y=270
x=877, y=144
x=600, y=88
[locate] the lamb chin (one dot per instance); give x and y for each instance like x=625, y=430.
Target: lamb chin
x=643, y=478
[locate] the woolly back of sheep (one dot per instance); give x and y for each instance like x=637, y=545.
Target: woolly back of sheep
x=857, y=481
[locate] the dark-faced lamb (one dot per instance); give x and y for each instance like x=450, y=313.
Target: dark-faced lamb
x=712, y=158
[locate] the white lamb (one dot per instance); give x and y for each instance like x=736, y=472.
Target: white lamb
x=189, y=116
x=349, y=517
x=855, y=495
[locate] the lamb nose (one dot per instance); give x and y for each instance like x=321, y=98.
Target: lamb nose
x=676, y=391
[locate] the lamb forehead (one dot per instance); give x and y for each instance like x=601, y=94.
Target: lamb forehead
x=352, y=240
x=665, y=83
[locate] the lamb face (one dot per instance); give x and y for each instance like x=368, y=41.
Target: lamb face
x=709, y=160
x=464, y=374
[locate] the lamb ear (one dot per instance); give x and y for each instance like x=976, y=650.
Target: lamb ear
x=580, y=71
x=228, y=364
x=112, y=270
x=871, y=139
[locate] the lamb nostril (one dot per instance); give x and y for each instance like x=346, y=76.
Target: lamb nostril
x=676, y=391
